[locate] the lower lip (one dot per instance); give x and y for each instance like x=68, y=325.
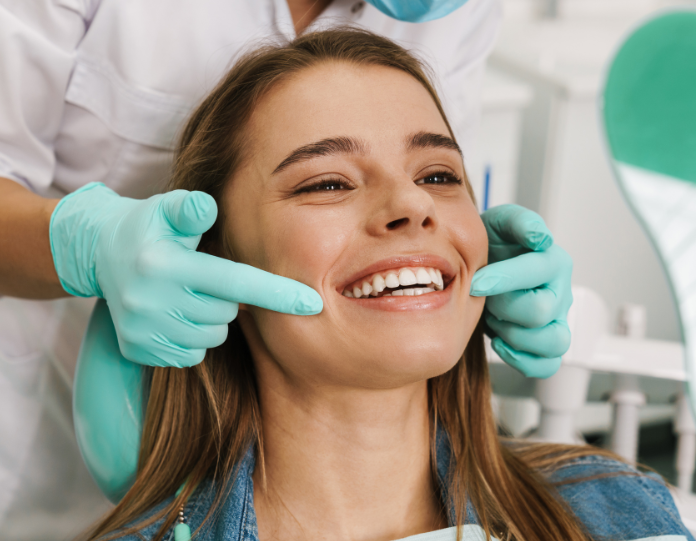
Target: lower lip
x=427, y=301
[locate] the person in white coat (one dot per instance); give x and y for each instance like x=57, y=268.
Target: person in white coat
x=96, y=91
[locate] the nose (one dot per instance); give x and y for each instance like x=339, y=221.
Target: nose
x=404, y=208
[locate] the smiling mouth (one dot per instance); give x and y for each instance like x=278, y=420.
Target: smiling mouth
x=406, y=281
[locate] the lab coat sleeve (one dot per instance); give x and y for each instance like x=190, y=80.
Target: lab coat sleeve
x=38, y=39
x=464, y=80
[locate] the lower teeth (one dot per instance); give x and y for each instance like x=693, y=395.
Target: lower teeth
x=410, y=292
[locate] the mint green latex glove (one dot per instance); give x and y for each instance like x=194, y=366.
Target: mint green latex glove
x=528, y=285
x=168, y=302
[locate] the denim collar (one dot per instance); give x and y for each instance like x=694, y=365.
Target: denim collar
x=235, y=519
x=610, y=506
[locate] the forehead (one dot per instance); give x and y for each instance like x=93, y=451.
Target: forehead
x=380, y=105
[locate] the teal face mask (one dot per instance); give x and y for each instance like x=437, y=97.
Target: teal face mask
x=417, y=11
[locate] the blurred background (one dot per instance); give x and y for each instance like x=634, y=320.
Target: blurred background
x=542, y=146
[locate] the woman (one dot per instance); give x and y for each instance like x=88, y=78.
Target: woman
x=94, y=91
x=333, y=164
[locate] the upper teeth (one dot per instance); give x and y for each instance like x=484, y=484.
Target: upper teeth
x=394, y=278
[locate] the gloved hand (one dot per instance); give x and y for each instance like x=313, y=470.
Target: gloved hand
x=527, y=282
x=168, y=302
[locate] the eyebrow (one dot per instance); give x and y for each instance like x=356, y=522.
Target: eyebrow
x=325, y=147
x=432, y=140
x=351, y=145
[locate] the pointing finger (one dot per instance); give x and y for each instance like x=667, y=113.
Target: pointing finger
x=244, y=284
x=526, y=271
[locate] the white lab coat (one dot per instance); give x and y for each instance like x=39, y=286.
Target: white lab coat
x=97, y=90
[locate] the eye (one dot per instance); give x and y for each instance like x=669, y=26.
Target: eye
x=327, y=185
x=440, y=177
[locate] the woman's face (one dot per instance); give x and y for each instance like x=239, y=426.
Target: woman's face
x=352, y=182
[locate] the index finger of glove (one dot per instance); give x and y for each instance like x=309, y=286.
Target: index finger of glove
x=526, y=271
x=517, y=225
x=241, y=283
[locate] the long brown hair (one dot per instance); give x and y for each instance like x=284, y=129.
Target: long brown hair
x=200, y=421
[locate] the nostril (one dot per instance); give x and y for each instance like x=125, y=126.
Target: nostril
x=397, y=223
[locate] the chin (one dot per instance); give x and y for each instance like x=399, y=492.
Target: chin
x=396, y=353
x=397, y=366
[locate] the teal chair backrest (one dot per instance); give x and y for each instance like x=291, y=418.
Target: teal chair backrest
x=108, y=407
x=649, y=114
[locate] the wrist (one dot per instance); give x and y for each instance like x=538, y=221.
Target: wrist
x=46, y=211
x=74, y=226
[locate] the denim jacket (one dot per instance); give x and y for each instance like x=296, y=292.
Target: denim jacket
x=623, y=507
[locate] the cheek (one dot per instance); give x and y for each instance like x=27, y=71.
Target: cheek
x=468, y=236
x=304, y=346
x=243, y=229
x=473, y=315
x=303, y=242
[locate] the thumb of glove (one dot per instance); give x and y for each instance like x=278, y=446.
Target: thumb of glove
x=190, y=213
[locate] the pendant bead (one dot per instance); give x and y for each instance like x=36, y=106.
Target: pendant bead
x=182, y=532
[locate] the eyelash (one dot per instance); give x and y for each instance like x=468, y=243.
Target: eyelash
x=326, y=184
x=450, y=178
x=323, y=185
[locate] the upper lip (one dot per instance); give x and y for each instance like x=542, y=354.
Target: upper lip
x=397, y=262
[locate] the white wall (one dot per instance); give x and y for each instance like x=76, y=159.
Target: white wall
x=529, y=9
